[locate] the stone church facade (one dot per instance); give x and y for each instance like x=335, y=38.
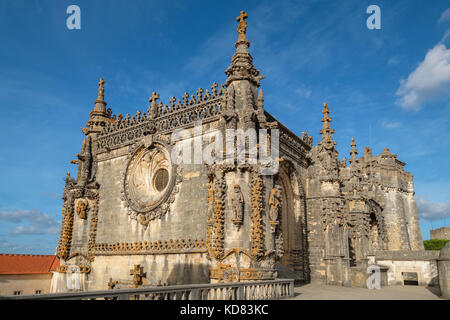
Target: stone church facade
x=133, y=216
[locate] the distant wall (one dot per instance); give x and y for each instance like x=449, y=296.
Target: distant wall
x=26, y=283
x=404, y=265
x=441, y=233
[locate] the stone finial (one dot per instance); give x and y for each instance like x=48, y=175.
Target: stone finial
x=153, y=99
x=326, y=132
x=367, y=153
x=186, y=99
x=353, y=151
x=101, y=90
x=199, y=95
x=326, y=114
x=260, y=99
x=153, y=110
x=214, y=89
x=242, y=27
x=241, y=67
x=387, y=154
x=99, y=116
x=172, y=102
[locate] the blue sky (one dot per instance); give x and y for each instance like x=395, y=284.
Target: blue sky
x=386, y=88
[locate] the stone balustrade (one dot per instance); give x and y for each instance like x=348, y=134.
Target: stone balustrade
x=261, y=290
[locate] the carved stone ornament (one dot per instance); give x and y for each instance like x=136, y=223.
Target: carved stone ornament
x=274, y=207
x=82, y=208
x=150, y=182
x=238, y=207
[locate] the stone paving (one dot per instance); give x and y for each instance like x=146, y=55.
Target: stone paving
x=323, y=292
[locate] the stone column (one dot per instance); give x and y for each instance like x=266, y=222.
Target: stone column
x=444, y=271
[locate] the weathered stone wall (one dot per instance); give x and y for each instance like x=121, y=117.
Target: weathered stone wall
x=185, y=220
x=316, y=236
x=424, y=263
x=444, y=271
x=160, y=269
x=412, y=220
x=441, y=233
x=394, y=217
x=396, y=195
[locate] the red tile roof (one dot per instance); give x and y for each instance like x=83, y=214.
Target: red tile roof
x=27, y=264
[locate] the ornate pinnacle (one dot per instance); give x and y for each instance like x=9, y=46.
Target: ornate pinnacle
x=326, y=116
x=242, y=27
x=99, y=116
x=241, y=67
x=260, y=99
x=353, y=152
x=101, y=90
x=326, y=132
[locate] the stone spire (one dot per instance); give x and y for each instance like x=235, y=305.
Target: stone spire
x=241, y=67
x=260, y=111
x=353, y=151
x=99, y=116
x=260, y=99
x=327, y=133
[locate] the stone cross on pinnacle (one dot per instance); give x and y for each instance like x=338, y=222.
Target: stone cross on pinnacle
x=172, y=102
x=199, y=94
x=242, y=27
x=153, y=98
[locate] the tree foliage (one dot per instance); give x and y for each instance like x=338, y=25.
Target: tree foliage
x=435, y=244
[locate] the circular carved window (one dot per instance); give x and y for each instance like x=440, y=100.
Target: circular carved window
x=149, y=178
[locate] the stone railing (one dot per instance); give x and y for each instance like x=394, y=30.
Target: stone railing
x=261, y=290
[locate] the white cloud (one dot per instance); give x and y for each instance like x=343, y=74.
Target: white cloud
x=304, y=91
x=445, y=16
x=430, y=80
x=30, y=222
x=430, y=211
x=390, y=124
x=393, y=61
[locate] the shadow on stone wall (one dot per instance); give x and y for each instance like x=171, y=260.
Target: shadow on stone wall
x=433, y=286
x=187, y=273
x=286, y=272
